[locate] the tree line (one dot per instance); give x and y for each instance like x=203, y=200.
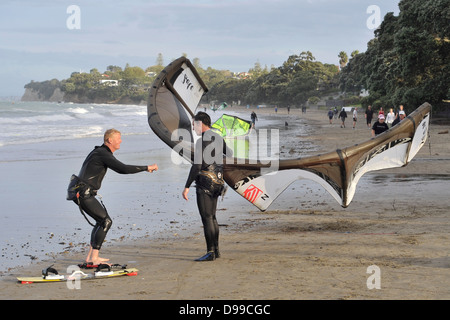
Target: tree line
x=298, y=79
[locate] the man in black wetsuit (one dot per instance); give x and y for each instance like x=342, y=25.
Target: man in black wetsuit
x=207, y=171
x=92, y=173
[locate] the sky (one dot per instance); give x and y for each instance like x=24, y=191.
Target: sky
x=45, y=39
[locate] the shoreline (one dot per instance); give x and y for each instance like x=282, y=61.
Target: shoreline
x=304, y=247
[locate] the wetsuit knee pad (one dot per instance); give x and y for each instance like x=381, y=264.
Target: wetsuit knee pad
x=106, y=224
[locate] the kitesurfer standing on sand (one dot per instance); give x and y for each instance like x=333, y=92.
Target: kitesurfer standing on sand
x=207, y=171
x=83, y=189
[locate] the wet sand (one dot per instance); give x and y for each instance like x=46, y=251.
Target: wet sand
x=304, y=247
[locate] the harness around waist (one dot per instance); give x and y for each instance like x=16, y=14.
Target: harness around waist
x=213, y=173
x=79, y=188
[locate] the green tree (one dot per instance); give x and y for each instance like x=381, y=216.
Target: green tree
x=131, y=73
x=407, y=62
x=343, y=59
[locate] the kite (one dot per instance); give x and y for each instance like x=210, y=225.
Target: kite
x=176, y=93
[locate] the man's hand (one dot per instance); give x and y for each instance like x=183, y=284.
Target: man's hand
x=185, y=193
x=152, y=168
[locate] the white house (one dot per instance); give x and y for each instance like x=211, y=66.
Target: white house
x=111, y=83
x=364, y=93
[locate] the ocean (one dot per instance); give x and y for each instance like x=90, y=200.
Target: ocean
x=38, y=122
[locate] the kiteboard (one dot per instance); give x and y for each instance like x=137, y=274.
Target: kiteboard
x=102, y=272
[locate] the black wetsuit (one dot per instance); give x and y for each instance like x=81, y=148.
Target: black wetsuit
x=92, y=172
x=206, y=193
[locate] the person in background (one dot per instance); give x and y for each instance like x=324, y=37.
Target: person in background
x=369, y=116
x=253, y=117
x=330, y=115
x=401, y=116
x=343, y=116
x=390, y=117
x=400, y=108
x=379, y=126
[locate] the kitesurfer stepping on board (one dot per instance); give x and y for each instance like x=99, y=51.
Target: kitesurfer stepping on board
x=83, y=189
x=207, y=171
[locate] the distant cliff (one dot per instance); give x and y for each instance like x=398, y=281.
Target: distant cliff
x=52, y=91
x=35, y=95
x=49, y=90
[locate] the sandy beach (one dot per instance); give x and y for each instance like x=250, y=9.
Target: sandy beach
x=305, y=246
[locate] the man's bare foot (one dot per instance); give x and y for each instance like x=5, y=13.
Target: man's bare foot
x=102, y=259
x=93, y=257
x=97, y=263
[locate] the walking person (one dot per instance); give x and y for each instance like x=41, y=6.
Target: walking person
x=379, y=126
x=330, y=116
x=253, y=117
x=401, y=116
x=355, y=118
x=390, y=117
x=400, y=109
x=369, y=116
x=343, y=116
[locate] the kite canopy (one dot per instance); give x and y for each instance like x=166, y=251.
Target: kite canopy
x=172, y=101
x=231, y=126
x=235, y=131
x=176, y=93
